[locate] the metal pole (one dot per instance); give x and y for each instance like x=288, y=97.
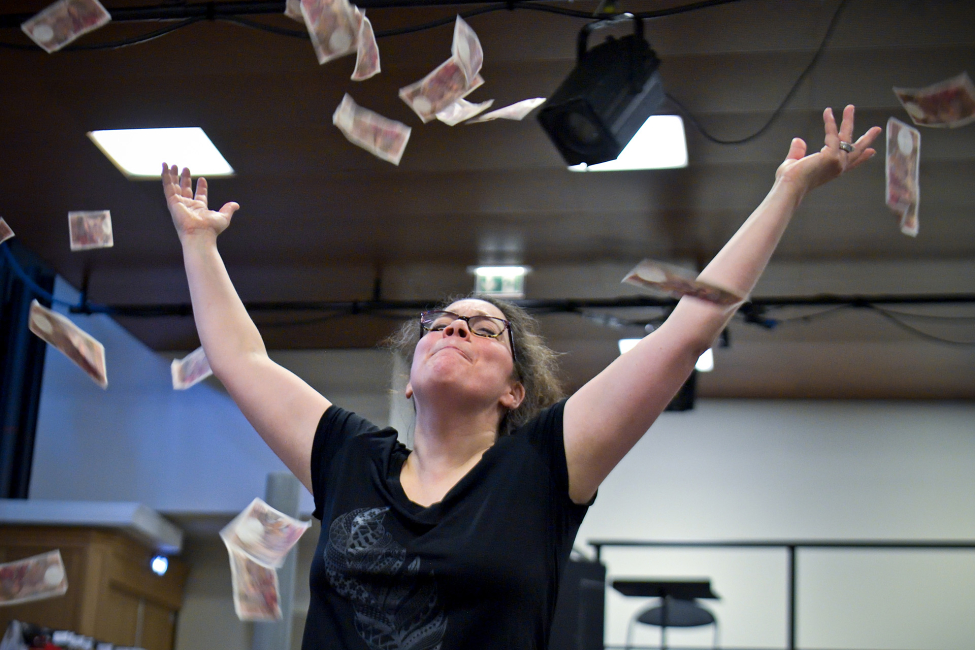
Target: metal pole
x=283, y=493
x=792, y=597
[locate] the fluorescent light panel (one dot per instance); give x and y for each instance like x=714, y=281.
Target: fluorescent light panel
x=504, y=271
x=659, y=144
x=140, y=153
x=705, y=363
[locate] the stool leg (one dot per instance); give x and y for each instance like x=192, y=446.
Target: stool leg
x=664, y=620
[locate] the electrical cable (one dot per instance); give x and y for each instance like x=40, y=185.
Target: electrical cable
x=810, y=317
x=280, y=31
x=113, y=45
x=904, y=314
x=918, y=332
x=28, y=281
x=437, y=23
x=778, y=111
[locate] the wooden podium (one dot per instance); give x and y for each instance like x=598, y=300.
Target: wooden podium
x=112, y=596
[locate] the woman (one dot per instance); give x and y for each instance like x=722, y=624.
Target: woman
x=459, y=543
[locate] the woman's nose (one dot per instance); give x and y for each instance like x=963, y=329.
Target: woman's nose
x=459, y=328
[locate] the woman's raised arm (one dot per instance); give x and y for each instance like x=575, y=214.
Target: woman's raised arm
x=608, y=415
x=282, y=408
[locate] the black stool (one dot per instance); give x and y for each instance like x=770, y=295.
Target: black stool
x=677, y=607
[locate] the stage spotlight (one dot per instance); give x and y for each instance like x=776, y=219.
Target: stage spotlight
x=606, y=98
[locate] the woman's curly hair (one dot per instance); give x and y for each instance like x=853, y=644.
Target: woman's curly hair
x=535, y=365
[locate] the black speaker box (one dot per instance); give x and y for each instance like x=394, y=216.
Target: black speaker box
x=580, y=608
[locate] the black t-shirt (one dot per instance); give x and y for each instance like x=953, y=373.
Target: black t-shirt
x=479, y=569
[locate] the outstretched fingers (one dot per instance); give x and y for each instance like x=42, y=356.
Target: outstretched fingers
x=832, y=135
x=169, y=181
x=846, y=125
x=201, y=190
x=797, y=149
x=862, y=151
x=186, y=183
x=228, y=209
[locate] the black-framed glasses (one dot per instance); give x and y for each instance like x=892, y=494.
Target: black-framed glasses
x=489, y=327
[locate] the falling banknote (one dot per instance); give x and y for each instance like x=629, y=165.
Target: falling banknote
x=903, y=171
x=677, y=282
x=34, y=578
x=87, y=353
x=292, y=9
x=332, y=27
x=462, y=110
x=256, y=595
x=367, y=51
x=190, y=370
x=90, y=230
x=5, y=231
x=263, y=534
x=466, y=49
x=439, y=89
x=380, y=136
x=64, y=21
x=516, y=111
x=946, y=104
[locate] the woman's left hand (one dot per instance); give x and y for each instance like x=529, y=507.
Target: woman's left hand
x=831, y=161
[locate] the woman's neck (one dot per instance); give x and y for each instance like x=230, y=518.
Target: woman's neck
x=446, y=446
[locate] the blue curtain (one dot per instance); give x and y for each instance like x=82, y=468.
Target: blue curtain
x=21, y=366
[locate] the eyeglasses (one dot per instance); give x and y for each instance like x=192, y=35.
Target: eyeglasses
x=479, y=325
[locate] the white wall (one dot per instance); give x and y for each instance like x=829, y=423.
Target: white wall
x=772, y=470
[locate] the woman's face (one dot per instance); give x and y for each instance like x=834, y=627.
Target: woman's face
x=456, y=362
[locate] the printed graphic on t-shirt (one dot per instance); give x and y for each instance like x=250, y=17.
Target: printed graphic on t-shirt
x=396, y=607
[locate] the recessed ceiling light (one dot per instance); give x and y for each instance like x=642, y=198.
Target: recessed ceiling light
x=140, y=153
x=705, y=363
x=659, y=144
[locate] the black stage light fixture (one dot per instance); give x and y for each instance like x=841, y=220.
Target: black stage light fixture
x=606, y=98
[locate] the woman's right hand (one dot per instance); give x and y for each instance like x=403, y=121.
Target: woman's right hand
x=191, y=216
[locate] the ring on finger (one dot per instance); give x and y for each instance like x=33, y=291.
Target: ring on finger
x=846, y=146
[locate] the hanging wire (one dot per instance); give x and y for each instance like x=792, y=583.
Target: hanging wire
x=917, y=332
x=778, y=111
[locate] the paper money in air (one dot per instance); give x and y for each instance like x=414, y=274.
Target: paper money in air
x=292, y=9
x=255, y=587
x=332, y=27
x=461, y=110
x=91, y=229
x=5, y=231
x=439, y=89
x=190, y=370
x=34, y=578
x=516, y=111
x=466, y=49
x=64, y=21
x=903, y=173
x=946, y=104
x=677, y=282
x=367, y=50
x=380, y=136
x=86, y=353
x=263, y=534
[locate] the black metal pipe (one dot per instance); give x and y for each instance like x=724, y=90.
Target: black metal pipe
x=792, y=597
x=571, y=305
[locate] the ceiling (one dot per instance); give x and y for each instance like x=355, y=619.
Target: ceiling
x=322, y=220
